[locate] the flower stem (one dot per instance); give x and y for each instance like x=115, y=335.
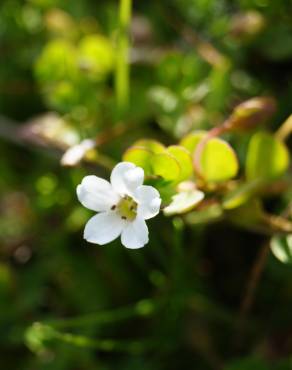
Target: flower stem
x=122, y=64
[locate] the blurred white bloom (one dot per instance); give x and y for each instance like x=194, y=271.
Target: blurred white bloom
x=123, y=205
x=186, y=199
x=76, y=153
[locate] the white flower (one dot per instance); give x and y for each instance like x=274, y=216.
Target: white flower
x=123, y=205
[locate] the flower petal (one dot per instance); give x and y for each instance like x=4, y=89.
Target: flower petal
x=135, y=234
x=75, y=153
x=126, y=177
x=149, y=201
x=183, y=202
x=96, y=194
x=103, y=228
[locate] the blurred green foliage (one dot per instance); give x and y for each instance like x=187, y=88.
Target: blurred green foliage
x=180, y=301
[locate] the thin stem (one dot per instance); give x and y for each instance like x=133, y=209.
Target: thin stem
x=122, y=65
x=143, y=308
x=178, y=254
x=253, y=281
x=285, y=129
x=106, y=345
x=251, y=288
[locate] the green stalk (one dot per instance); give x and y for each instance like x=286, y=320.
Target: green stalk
x=144, y=308
x=122, y=64
x=106, y=345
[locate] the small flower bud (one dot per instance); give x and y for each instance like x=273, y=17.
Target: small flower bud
x=252, y=112
x=246, y=25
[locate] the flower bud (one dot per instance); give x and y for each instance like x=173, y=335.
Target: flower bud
x=246, y=25
x=251, y=113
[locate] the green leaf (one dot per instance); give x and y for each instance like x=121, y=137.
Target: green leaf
x=154, y=159
x=281, y=246
x=153, y=145
x=57, y=62
x=184, y=202
x=96, y=56
x=166, y=166
x=191, y=141
x=241, y=194
x=218, y=161
x=267, y=157
x=140, y=157
x=184, y=159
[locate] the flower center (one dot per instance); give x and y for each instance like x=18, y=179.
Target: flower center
x=127, y=208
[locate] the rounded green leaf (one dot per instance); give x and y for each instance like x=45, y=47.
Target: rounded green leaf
x=96, y=56
x=140, y=157
x=191, y=141
x=281, y=247
x=218, y=161
x=182, y=155
x=267, y=157
x=57, y=62
x=166, y=166
x=152, y=145
x=184, y=202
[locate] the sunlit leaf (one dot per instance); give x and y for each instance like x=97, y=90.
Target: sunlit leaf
x=218, y=161
x=184, y=159
x=139, y=156
x=96, y=56
x=191, y=141
x=166, y=166
x=58, y=61
x=267, y=157
x=153, y=145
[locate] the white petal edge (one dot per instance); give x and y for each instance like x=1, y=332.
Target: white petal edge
x=126, y=177
x=96, y=194
x=135, y=234
x=184, y=202
x=103, y=228
x=149, y=201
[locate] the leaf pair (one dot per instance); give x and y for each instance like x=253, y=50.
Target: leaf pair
x=173, y=164
x=218, y=159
